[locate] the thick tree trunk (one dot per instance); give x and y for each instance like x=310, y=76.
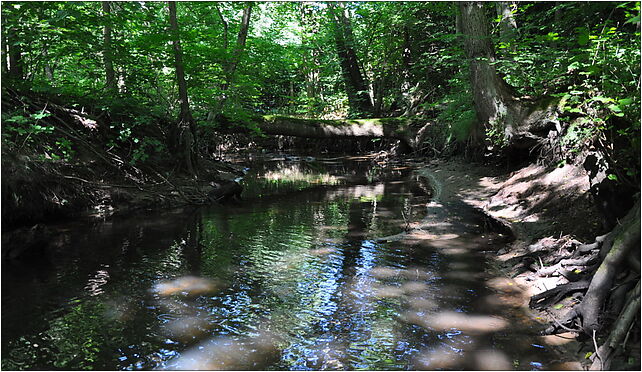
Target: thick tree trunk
x=356, y=88
x=183, y=136
x=507, y=23
x=395, y=128
x=110, y=75
x=495, y=105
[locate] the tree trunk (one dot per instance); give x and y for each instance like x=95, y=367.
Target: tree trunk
x=395, y=128
x=495, y=105
x=5, y=50
x=625, y=237
x=230, y=69
x=110, y=75
x=183, y=135
x=356, y=88
x=311, y=53
x=225, y=27
x=507, y=23
x=15, y=54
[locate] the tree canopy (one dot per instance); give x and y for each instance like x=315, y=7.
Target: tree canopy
x=116, y=60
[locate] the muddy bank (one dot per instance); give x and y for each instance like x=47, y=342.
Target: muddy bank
x=551, y=215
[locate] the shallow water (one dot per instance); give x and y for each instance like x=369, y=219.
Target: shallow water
x=297, y=279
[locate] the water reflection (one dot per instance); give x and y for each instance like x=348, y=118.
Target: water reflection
x=298, y=281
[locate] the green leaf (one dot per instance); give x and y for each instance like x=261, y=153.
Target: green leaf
x=612, y=177
x=635, y=19
x=583, y=36
x=588, y=355
x=614, y=108
x=40, y=116
x=558, y=306
x=602, y=99
x=625, y=101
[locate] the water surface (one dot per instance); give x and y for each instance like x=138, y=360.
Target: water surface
x=296, y=279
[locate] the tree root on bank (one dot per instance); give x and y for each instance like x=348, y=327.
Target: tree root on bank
x=604, y=354
x=610, y=266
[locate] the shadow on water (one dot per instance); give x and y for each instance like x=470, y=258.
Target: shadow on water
x=296, y=280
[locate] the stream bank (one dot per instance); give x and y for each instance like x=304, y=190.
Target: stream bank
x=550, y=212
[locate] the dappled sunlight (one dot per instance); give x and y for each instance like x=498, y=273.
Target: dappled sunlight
x=388, y=291
x=321, y=251
x=559, y=339
x=185, y=286
x=226, y=353
x=95, y=283
x=188, y=328
x=295, y=174
x=382, y=272
x=447, y=320
x=491, y=360
x=440, y=358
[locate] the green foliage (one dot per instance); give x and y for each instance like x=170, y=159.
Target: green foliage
x=409, y=54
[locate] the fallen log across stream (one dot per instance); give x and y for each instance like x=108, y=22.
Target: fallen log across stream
x=409, y=130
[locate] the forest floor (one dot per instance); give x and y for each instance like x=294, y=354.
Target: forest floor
x=550, y=212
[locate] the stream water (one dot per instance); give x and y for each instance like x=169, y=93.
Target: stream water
x=297, y=279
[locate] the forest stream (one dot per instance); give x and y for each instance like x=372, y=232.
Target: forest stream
x=307, y=272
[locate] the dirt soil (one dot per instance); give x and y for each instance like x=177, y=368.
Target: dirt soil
x=542, y=207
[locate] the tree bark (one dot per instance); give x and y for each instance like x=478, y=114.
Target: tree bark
x=183, y=135
x=230, y=68
x=494, y=103
x=311, y=53
x=15, y=54
x=5, y=50
x=395, y=128
x=110, y=75
x=625, y=238
x=356, y=88
x=507, y=23
x=225, y=27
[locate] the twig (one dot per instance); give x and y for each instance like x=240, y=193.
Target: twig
x=560, y=324
x=597, y=353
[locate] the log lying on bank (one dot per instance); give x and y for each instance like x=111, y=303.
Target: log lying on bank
x=405, y=129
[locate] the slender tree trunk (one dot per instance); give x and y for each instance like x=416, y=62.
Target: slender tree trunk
x=49, y=67
x=5, y=50
x=230, y=69
x=225, y=27
x=183, y=136
x=110, y=75
x=494, y=103
x=356, y=88
x=15, y=55
x=310, y=51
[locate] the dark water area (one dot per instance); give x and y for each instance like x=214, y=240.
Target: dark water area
x=294, y=277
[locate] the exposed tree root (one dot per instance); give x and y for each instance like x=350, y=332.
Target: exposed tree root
x=612, y=254
x=554, y=295
x=624, y=238
x=622, y=327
